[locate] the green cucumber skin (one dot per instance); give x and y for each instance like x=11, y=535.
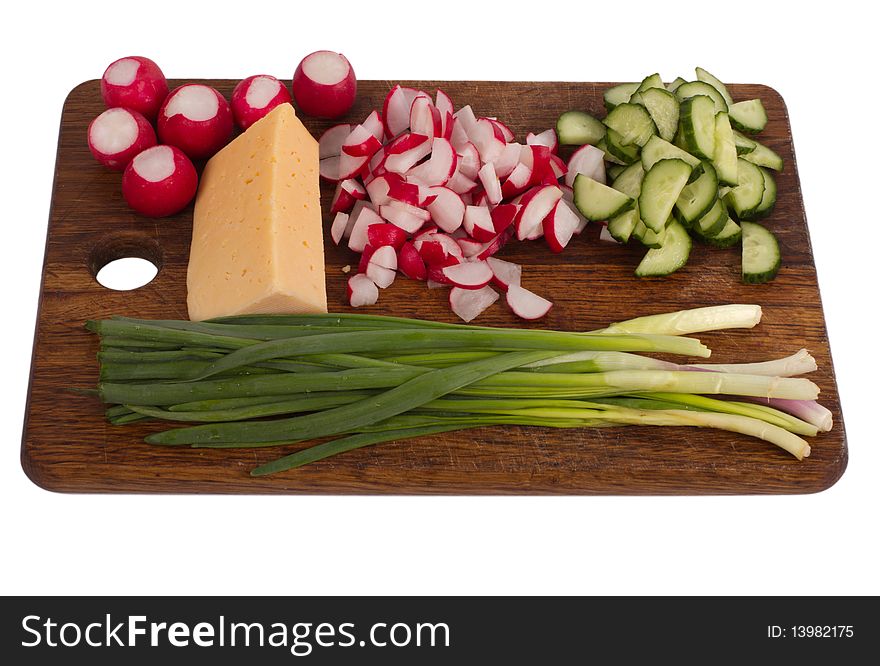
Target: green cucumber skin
x=694, y=110
x=729, y=236
x=707, y=186
x=655, y=212
x=768, y=199
x=749, y=175
x=743, y=113
x=759, y=274
x=578, y=128
x=618, y=94
x=671, y=257
x=587, y=193
x=695, y=88
x=624, y=154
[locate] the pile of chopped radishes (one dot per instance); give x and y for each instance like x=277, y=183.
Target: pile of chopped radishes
x=434, y=193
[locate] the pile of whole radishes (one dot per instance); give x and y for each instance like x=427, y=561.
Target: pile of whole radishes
x=434, y=193
x=194, y=121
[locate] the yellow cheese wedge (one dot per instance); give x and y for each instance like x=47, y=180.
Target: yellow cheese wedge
x=257, y=242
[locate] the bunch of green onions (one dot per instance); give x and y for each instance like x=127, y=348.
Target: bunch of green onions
x=273, y=380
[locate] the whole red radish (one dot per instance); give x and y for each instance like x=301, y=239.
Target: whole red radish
x=135, y=83
x=195, y=118
x=324, y=84
x=255, y=96
x=160, y=181
x=117, y=135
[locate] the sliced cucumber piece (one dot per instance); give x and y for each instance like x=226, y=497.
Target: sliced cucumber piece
x=698, y=125
x=760, y=254
x=706, y=77
x=670, y=257
x=598, y=202
x=663, y=107
x=647, y=237
x=615, y=170
x=632, y=122
x=746, y=197
x=725, y=151
x=629, y=181
x=623, y=154
x=653, y=81
x=619, y=94
x=765, y=157
x=609, y=157
x=713, y=222
x=621, y=227
x=693, y=88
x=697, y=197
x=661, y=188
x=748, y=116
x=730, y=235
x=743, y=143
x=768, y=200
x=672, y=87
x=577, y=128
x=657, y=149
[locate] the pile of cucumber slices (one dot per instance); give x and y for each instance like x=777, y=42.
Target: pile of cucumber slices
x=682, y=166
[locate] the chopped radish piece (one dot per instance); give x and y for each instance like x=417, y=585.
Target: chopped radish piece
x=324, y=84
x=424, y=118
x=195, y=118
x=559, y=226
x=328, y=168
x=401, y=217
x=396, y=109
x=490, y=183
x=517, y=181
x=536, y=208
x=507, y=161
x=366, y=255
x=461, y=184
x=503, y=216
x=450, y=249
x=447, y=209
x=478, y=223
x=526, y=304
x=411, y=263
x=361, y=143
x=135, y=83
x=358, y=238
x=488, y=143
x=117, y=135
x=382, y=267
x=469, y=160
x=568, y=200
x=403, y=154
x=433, y=253
x=558, y=166
x=605, y=235
x=504, y=273
x=416, y=211
x=446, y=109
x=470, y=303
x=374, y=125
x=350, y=166
x=438, y=169
x=378, y=190
x=400, y=190
x=469, y=247
x=433, y=284
x=362, y=291
x=347, y=193
x=160, y=181
x=502, y=131
x=541, y=164
x=587, y=160
x=379, y=235
x=330, y=143
x=494, y=245
x=339, y=226
x=466, y=118
x=469, y=275
x=545, y=138
x=435, y=275
x=256, y=96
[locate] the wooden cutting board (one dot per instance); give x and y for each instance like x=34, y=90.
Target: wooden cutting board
x=68, y=446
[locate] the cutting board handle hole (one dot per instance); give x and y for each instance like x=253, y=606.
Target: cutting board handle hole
x=124, y=262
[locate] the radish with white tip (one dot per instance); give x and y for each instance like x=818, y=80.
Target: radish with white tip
x=469, y=275
x=469, y=304
x=491, y=184
x=348, y=192
x=494, y=246
x=134, y=83
x=382, y=267
x=502, y=131
x=478, y=223
x=380, y=235
x=447, y=110
x=357, y=241
x=256, y=96
x=324, y=84
x=461, y=184
x=117, y=135
x=195, y=118
x=507, y=161
x=362, y=291
x=360, y=143
x=396, y=109
x=374, y=124
x=469, y=160
x=424, y=118
x=403, y=153
x=504, y=273
x=488, y=140
x=517, y=182
x=160, y=181
x=525, y=304
x=411, y=263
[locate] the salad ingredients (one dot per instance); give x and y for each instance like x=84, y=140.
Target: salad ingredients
x=324, y=85
x=195, y=118
x=117, y=135
x=160, y=181
x=135, y=83
x=256, y=96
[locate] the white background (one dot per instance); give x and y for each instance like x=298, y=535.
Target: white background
x=826, y=543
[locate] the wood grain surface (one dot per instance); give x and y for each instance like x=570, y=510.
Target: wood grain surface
x=68, y=446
